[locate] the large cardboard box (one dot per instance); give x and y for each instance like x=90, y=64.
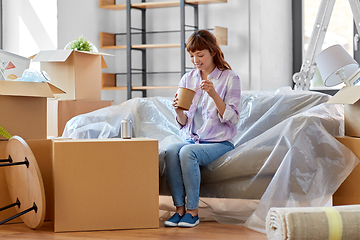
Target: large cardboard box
x=23, y=108
x=103, y=184
x=42, y=149
x=349, y=191
x=12, y=65
x=61, y=111
x=78, y=73
x=349, y=96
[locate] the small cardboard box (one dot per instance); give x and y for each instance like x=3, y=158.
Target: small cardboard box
x=78, y=73
x=61, y=111
x=349, y=191
x=104, y=184
x=12, y=65
x=23, y=108
x=42, y=152
x=349, y=96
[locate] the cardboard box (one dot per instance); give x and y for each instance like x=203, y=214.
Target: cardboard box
x=12, y=65
x=61, y=111
x=42, y=150
x=103, y=184
x=349, y=191
x=78, y=73
x=23, y=108
x=349, y=96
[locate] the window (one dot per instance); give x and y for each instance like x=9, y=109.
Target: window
x=340, y=30
x=29, y=26
x=1, y=29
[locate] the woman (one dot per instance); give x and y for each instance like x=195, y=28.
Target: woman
x=209, y=125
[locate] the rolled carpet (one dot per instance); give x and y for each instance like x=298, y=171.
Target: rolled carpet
x=340, y=222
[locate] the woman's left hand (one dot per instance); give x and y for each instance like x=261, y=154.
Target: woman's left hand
x=208, y=87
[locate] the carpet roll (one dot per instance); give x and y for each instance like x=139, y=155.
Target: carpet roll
x=340, y=222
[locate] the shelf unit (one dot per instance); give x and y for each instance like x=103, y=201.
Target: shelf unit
x=108, y=40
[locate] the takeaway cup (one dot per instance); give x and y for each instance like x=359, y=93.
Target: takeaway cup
x=185, y=97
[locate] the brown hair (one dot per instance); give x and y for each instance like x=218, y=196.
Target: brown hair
x=203, y=39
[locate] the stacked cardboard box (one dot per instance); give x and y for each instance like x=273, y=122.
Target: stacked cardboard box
x=79, y=75
x=103, y=184
x=349, y=191
x=95, y=184
x=23, y=107
x=89, y=184
x=61, y=111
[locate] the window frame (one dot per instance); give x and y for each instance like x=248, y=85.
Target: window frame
x=297, y=32
x=1, y=26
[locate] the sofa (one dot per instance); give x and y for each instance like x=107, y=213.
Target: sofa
x=285, y=151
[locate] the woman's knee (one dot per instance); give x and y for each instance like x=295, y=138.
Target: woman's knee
x=172, y=151
x=186, y=153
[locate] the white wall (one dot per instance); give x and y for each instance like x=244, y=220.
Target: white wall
x=259, y=38
x=270, y=44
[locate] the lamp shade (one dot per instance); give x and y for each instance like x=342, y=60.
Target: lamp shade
x=335, y=65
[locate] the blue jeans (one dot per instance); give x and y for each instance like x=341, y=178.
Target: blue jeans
x=182, y=165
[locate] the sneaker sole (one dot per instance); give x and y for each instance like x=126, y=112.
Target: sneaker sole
x=185, y=224
x=170, y=224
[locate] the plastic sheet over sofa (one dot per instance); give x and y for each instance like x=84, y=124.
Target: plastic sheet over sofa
x=285, y=151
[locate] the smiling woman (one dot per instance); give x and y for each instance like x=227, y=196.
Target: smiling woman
x=29, y=25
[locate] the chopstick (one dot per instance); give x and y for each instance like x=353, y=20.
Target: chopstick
x=197, y=88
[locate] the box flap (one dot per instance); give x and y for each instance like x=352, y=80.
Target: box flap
x=30, y=89
x=103, y=63
x=55, y=90
x=53, y=55
x=63, y=54
x=13, y=55
x=346, y=95
x=96, y=53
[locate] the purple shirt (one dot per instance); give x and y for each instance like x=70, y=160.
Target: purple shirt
x=215, y=127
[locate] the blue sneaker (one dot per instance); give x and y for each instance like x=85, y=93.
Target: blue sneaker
x=189, y=221
x=173, y=221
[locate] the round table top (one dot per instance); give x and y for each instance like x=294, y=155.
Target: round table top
x=25, y=183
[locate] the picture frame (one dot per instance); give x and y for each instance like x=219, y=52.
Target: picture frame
x=12, y=65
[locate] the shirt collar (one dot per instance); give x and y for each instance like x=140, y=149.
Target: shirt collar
x=215, y=74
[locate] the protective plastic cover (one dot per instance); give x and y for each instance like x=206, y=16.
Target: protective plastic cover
x=285, y=152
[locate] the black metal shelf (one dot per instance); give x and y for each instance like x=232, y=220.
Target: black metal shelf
x=108, y=40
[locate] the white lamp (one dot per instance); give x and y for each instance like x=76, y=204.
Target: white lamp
x=336, y=66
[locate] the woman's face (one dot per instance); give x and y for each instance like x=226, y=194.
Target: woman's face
x=202, y=60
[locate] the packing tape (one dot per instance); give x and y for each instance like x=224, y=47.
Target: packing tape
x=335, y=223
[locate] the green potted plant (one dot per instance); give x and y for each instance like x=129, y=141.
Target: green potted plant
x=81, y=44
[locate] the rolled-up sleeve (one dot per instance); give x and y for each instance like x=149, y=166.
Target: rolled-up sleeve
x=232, y=100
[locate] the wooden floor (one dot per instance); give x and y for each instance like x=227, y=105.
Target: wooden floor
x=205, y=230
